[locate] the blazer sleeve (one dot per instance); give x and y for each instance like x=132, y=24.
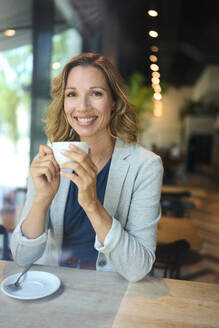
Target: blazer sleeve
x=24, y=250
x=131, y=249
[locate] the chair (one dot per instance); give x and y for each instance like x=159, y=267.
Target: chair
x=6, y=251
x=170, y=257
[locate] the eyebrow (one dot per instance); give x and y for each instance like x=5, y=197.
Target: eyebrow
x=95, y=87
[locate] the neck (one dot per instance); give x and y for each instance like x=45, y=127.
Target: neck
x=100, y=150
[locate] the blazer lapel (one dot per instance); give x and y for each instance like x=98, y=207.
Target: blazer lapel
x=117, y=174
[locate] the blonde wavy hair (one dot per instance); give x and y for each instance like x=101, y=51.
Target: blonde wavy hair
x=123, y=122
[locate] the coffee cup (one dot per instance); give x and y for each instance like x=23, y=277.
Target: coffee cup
x=57, y=147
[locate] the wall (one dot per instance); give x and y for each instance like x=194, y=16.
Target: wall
x=207, y=86
x=164, y=131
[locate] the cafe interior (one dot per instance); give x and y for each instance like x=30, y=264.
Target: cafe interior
x=168, y=55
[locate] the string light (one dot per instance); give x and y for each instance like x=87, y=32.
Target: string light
x=154, y=67
x=155, y=74
x=154, y=48
x=153, y=34
x=10, y=32
x=157, y=96
x=156, y=88
x=152, y=13
x=153, y=58
x=155, y=80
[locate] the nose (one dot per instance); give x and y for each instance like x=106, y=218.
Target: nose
x=83, y=103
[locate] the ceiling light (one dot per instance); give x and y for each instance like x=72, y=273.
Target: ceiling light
x=155, y=74
x=154, y=67
x=153, y=34
x=155, y=80
x=153, y=58
x=9, y=32
x=157, y=88
x=56, y=65
x=152, y=13
x=157, y=96
x=154, y=49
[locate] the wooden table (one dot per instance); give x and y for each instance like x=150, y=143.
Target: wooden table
x=171, y=229
x=105, y=300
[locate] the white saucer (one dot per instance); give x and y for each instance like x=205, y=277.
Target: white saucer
x=34, y=285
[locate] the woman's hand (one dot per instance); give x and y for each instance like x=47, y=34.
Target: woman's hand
x=85, y=177
x=45, y=173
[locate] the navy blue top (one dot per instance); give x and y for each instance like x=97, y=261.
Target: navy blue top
x=78, y=232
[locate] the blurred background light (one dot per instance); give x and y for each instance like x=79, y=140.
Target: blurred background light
x=152, y=13
x=56, y=65
x=156, y=88
x=154, y=67
x=10, y=32
x=158, y=108
x=153, y=58
x=155, y=80
x=154, y=48
x=157, y=96
x=155, y=74
x=153, y=34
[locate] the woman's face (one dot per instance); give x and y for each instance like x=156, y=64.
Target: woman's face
x=88, y=102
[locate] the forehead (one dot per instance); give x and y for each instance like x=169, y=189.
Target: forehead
x=86, y=75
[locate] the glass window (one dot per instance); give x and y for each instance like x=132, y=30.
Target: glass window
x=15, y=80
x=15, y=116
x=65, y=45
x=15, y=109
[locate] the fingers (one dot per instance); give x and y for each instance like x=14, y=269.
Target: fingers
x=45, y=166
x=81, y=167
x=51, y=158
x=44, y=150
x=85, y=182
x=45, y=154
x=82, y=173
x=74, y=178
x=42, y=171
x=79, y=157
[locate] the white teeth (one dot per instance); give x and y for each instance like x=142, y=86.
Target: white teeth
x=84, y=120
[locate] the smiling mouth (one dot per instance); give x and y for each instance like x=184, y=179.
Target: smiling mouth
x=85, y=120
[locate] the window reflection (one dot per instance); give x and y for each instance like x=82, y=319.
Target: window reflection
x=15, y=115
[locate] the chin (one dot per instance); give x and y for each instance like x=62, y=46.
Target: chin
x=84, y=134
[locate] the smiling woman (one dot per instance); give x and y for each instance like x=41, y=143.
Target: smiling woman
x=88, y=102
x=123, y=118
x=101, y=209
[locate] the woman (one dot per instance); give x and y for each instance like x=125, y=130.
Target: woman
x=104, y=210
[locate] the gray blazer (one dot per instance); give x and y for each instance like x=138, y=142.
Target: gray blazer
x=132, y=198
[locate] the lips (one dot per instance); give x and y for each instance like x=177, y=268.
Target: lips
x=85, y=120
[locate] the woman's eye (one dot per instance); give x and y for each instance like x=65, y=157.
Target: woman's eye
x=71, y=94
x=97, y=93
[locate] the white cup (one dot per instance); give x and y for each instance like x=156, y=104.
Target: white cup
x=57, y=147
